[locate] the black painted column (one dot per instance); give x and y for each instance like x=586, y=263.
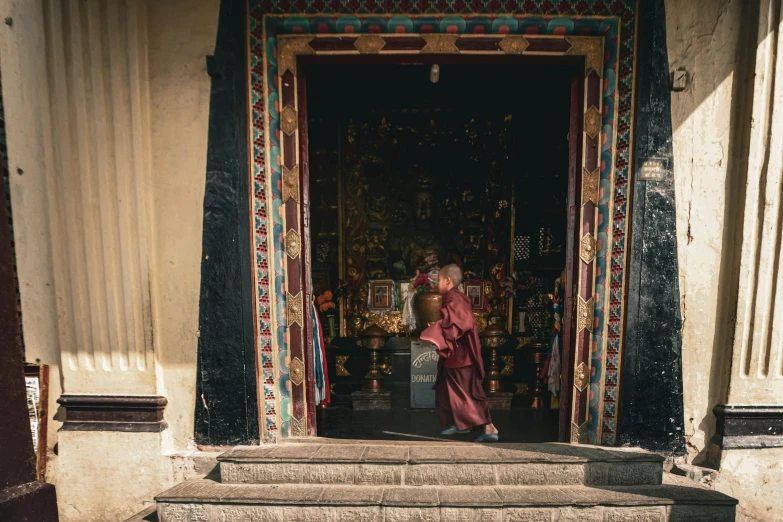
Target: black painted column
x=651, y=400
x=226, y=403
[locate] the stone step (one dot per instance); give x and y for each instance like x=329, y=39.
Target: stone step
x=437, y=464
x=208, y=501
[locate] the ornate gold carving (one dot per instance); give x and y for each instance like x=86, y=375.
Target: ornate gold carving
x=298, y=427
x=294, y=309
x=292, y=243
x=288, y=120
x=369, y=44
x=339, y=365
x=584, y=314
x=481, y=319
x=386, y=365
x=590, y=184
x=389, y=321
x=578, y=433
x=521, y=388
x=296, y=371
x=523, y=341
x=580, y=376
x=514, y=44
x=291, y=183
x=440, y=43
x=332, y=386
x=592, y=48
x=587, y=248
x=289, y=47
x=592, y=122
x=508, y=366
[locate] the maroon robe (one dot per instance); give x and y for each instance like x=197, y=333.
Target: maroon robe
x=460, y=399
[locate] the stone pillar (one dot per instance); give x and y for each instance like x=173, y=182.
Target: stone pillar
x=97, y=189
x=79, y=130
x=753, y=415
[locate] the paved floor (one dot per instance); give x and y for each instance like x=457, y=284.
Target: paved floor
x=517, y=425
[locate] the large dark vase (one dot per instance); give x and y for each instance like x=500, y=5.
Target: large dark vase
x=426, y=308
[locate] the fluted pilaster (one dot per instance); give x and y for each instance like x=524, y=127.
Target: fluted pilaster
x=98, y=94
x=757, y=365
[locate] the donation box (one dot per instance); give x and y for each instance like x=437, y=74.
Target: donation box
x=424, y=370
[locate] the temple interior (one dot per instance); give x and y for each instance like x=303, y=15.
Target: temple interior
x=407, y=175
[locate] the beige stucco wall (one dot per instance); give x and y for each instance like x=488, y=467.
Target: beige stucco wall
x=755, y=477
x=179, y=41
x=719, y=158
x=108, y=476
x=703, y=37
x=26, y=122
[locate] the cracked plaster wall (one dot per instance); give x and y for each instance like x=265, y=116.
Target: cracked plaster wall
x=103, y=476
x=716, y=43
x=703, y=38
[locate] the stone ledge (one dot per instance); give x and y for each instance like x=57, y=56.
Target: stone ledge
x=748, y=427
x=209, y=492
x=376, y=452
x=440, y=464
x=127, y=413
x=452, y=474
x=244, y=513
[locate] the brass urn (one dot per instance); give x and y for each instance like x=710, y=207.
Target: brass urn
x=491, y=338
x=354, y=323
x=373, y=338
x=538, y=353
x=426, y=308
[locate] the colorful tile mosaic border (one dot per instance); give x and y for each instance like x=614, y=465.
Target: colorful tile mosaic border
x=614, y=20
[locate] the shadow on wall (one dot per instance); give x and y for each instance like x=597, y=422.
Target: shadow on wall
x=698, y=33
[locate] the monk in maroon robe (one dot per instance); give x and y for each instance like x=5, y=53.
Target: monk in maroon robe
x=460, y=399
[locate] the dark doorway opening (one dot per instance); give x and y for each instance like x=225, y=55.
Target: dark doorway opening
x=477, y=169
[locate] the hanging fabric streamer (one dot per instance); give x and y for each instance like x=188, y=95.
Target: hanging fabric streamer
x=322, y=392
x=553, y=373
x=550, y=373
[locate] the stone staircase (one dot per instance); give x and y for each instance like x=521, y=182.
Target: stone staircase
x=433, y=481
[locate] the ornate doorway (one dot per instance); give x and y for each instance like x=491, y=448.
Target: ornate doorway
x=281, y=208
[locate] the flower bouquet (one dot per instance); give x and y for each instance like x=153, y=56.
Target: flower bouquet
x=326, y=306
x=421, y=283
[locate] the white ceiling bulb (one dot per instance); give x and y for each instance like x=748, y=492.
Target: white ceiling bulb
x=435, y=73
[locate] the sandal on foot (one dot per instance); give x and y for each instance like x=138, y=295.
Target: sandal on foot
x=452, y=430
x=487, y=437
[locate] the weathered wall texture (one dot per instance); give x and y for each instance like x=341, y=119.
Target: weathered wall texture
x=179, y=42
x=107, y=108
x=755, y=478
x=59, y=245
x=703, y=38
x=728, y=131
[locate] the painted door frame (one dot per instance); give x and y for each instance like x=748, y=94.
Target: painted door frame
x=429, y=47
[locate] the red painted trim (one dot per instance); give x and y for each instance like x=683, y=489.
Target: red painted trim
x=575, y=195
x=306, y=252
x=591, y=154
x=574, y=203
x=593, y=90
x=419, y=59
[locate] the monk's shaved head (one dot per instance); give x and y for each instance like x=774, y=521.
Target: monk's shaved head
x=453, y=272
